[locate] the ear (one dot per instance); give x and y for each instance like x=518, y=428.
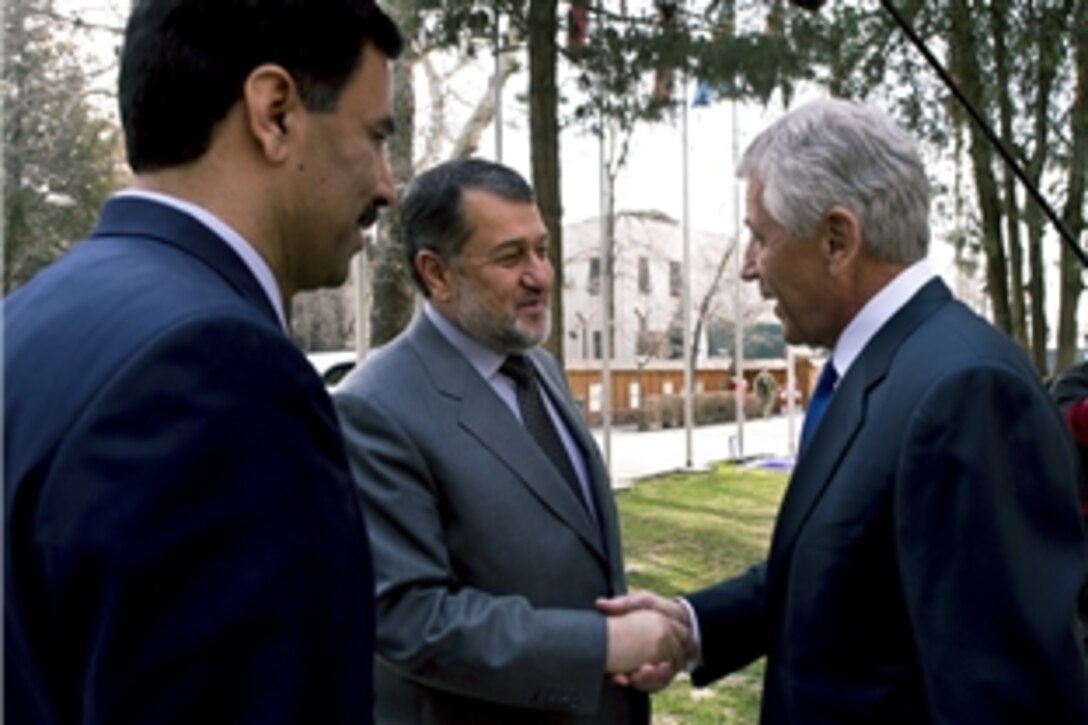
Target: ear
x=273, y=107
x=844, y=241
x=436, y=275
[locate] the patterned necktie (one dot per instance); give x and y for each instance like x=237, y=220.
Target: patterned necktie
x=825, y=386
x=535, y=418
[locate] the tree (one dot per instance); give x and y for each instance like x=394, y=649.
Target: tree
x=670, y=42
x=391, y=284
x=1036, y=104
x=60, y=154
x=708, y=299
x=544, y=127
x=1073, y=215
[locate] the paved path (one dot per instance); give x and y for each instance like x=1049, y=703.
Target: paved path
x=637, y=454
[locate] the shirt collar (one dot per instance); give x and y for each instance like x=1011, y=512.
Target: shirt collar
x=876, y=313
x=485, y=360
x=253, y=261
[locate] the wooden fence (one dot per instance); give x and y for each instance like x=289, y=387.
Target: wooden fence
x=633, y=388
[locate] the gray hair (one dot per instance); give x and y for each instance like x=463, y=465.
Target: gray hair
x=836, y=152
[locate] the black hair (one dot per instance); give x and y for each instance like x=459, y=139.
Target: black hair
x=184, y=64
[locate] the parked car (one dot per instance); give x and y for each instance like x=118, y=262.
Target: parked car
x=333, y=365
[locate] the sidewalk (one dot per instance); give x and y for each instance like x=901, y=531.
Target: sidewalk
x=637, y=454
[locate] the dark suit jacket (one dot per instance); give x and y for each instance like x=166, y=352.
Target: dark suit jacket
x=926, y=558
x=487, y=565
x=182, y=543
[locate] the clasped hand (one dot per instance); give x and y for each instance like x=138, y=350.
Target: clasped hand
x=649, y=639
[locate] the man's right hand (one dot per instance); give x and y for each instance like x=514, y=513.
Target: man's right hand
x=649, y=639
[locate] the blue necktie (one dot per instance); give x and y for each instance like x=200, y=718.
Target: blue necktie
x=825, y=386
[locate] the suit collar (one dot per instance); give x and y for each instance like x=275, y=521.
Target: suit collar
x=600, y=482
x=138, y=216
x=484, y=416
x=844, y=417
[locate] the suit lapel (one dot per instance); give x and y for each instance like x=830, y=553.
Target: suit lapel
x=600, y=483
x=843, y=419
x=138, y=217
x=484, y=416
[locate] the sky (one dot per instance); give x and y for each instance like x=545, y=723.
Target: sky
x=653, y=177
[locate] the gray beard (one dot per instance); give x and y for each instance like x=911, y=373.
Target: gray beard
x=501, y=336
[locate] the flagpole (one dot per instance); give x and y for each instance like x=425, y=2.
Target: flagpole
x=686, y=265
x=740, y=390
x=606, y=288
x=497, y=85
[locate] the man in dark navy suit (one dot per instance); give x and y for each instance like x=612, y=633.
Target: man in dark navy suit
x=182, y=542
x=926, y=559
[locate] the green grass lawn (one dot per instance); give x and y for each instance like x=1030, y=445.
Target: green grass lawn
x=682, y=532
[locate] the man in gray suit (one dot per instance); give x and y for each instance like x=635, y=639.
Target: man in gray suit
x=490, y=546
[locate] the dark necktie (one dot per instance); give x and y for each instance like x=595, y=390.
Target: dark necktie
x=825, y=386
x=535, y=418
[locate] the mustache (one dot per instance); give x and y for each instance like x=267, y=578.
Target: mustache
x=370, y=215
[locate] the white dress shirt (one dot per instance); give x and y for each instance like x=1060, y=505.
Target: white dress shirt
x=249, y=256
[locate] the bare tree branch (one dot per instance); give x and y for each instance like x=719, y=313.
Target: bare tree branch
x=469, y=138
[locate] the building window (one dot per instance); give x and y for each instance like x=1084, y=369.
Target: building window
x=674, y=279
x=594, y=285
x=595, y=396
x=644, y=275
x=598, y=352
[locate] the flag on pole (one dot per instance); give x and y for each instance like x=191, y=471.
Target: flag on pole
x=710, y=92
x=704, y=95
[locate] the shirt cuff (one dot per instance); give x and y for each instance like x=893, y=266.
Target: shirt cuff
x=696, y=637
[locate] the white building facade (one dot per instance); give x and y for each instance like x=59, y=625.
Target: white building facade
x=647, y=289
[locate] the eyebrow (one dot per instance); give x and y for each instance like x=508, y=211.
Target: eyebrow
x=518, y=243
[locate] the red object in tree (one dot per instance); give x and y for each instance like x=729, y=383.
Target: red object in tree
x=577, y=25
x=664, y=75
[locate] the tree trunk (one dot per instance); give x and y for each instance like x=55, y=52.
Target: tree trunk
x=483, y=114
x=393, y=294
x=544, y=130
x=1073, y=213
x=968, y=73
x=705, y=302
x=1017, y=288
x=1049, y=27
x=1046, y=60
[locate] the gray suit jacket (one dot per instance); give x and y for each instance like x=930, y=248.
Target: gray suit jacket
x=487, y=565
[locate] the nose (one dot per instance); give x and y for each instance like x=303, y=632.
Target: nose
x=385, y=193
x=749, y=270
x=538, y=271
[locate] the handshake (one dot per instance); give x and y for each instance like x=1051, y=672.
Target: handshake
x=649, y=639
